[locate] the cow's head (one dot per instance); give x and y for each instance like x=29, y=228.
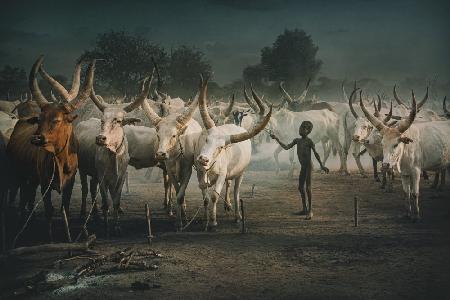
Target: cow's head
x=169, y=128
x=222, y=116
x=393, y=139
x=214, y=140
x=55, y=119
x=363, y=127
x=114, y=117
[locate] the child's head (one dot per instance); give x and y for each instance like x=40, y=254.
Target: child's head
x=305, y=128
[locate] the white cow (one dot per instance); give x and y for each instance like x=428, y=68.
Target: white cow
x=412, y=148
x=177, y=134
x=223, y=153
x=111, y=158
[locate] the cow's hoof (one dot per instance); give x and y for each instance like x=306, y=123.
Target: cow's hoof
x=212, y=228
x=227, y=206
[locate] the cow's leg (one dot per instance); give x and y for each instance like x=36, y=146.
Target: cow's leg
x=178, y=209
x=94, y=198
x=375, y=170
x=214, y=195
x=67, y=195
x=425, y=176
x=205, y=196
x=326, y=145
x=185, y=175
x=406, y=184
x=275, y=156
x=443, y=172
x=292, y=162
x=237, y=188
x=342, y=157
x=383, y=178
x=116, y=196
x=415, y=180
x=13, y=190
x=49, y=214
x=227, y=202
x=167, y=193
x=105, y=207
x=356, y=149
x=84, y=193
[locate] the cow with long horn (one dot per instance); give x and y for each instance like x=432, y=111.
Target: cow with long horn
x=111, y=156
x=177, y=134
x=52, y=160
x=412, y=148
x=222, y=154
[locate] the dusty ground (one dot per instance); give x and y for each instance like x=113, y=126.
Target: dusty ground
x=281, y=256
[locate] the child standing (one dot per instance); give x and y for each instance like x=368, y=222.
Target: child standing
x=304, y=147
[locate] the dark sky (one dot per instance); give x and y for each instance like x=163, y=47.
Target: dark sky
x=380, y=39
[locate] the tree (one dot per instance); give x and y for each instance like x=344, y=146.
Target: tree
x=13, y=82
x=185, y=66
x=291, y=58
x=127, y=60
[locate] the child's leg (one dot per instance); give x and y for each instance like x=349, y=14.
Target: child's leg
x=308, y=191
x=301, y=186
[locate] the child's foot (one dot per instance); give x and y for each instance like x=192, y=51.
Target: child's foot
x=300, y=213
x=309, y=216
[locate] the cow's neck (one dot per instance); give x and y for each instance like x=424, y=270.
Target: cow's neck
x=66, y=160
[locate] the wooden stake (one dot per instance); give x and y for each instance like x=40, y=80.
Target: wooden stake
x=149, y=223
x=243, y=229
x=356, y=210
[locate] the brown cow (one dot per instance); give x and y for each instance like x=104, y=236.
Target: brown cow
x=51, y=159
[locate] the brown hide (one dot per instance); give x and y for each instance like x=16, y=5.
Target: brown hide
x=35, y=163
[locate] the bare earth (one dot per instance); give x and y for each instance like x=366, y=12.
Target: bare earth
x=281, y=256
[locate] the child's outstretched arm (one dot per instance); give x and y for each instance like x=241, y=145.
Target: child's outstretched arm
x=284, y=146
x=325, y=169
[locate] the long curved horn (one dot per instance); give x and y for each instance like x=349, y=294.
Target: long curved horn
x=388, y=116
x=421, y=103
x=305, y=92
x=59, y=88
x=287, y=97
x=406, y=123
x=397, y=98
x=227, y=111
x=258, y=101
x=350, y=103
x=98, y=101
x=375, y=122
x=203, y=106
x=379, y=102
x=249, y=101
x=236, y=138
x=186, y=116
x=88, y=87
x=444, y=106
x=151, y=115
x=34, y=86
x=140, y=98
x=376, y=111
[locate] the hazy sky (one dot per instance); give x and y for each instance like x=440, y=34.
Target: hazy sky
x=380, y=39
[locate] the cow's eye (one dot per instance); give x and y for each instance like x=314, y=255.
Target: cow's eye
x=395, y=146
x=174, y=136
x=119, y=121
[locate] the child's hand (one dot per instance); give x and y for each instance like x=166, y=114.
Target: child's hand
x=325, y=169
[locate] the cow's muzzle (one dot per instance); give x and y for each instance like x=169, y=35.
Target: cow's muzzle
x=203, y=160
x=100, y=140
x=38, y=140
x=161, y=156
x=385, y=166
x=355, y=138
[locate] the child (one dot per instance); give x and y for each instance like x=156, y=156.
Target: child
x=304, y=147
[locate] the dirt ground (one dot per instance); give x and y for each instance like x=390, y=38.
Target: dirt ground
x=282, y=255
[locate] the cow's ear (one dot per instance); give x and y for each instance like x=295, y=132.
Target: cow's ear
x=33, y=120
x=70, y=118
x=405, y=140
x=130, y=121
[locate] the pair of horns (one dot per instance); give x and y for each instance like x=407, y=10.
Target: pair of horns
x=234, y=138
x=260, y=107
x=101, y=104
x=182, y=119
x=404, y=125
x=401, y=102
x=288, y=98
x=73, y=99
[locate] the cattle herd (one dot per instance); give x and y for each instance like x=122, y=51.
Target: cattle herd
x=45, y=143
